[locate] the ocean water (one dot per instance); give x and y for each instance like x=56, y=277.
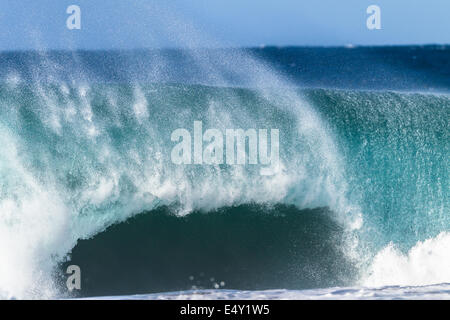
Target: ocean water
x=359, y=207
x=430, y=292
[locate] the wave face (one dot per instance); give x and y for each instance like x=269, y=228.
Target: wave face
x=396, y=151
x=396, y=147
x=360, y=172
x=79, y=159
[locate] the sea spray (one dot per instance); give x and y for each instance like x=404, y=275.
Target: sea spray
x=102, y=155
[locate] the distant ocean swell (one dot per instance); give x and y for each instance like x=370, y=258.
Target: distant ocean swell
x=364, y=178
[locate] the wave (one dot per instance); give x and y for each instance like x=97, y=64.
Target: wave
x=78, y=159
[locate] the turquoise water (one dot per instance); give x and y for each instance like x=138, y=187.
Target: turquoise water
x=87, y=179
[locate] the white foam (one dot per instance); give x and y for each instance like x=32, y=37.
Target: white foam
x=440, y=291
x=427, y=263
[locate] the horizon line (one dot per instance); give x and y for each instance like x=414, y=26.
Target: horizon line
x=260, y=47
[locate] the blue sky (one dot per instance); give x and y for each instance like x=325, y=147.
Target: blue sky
x=31, y=24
